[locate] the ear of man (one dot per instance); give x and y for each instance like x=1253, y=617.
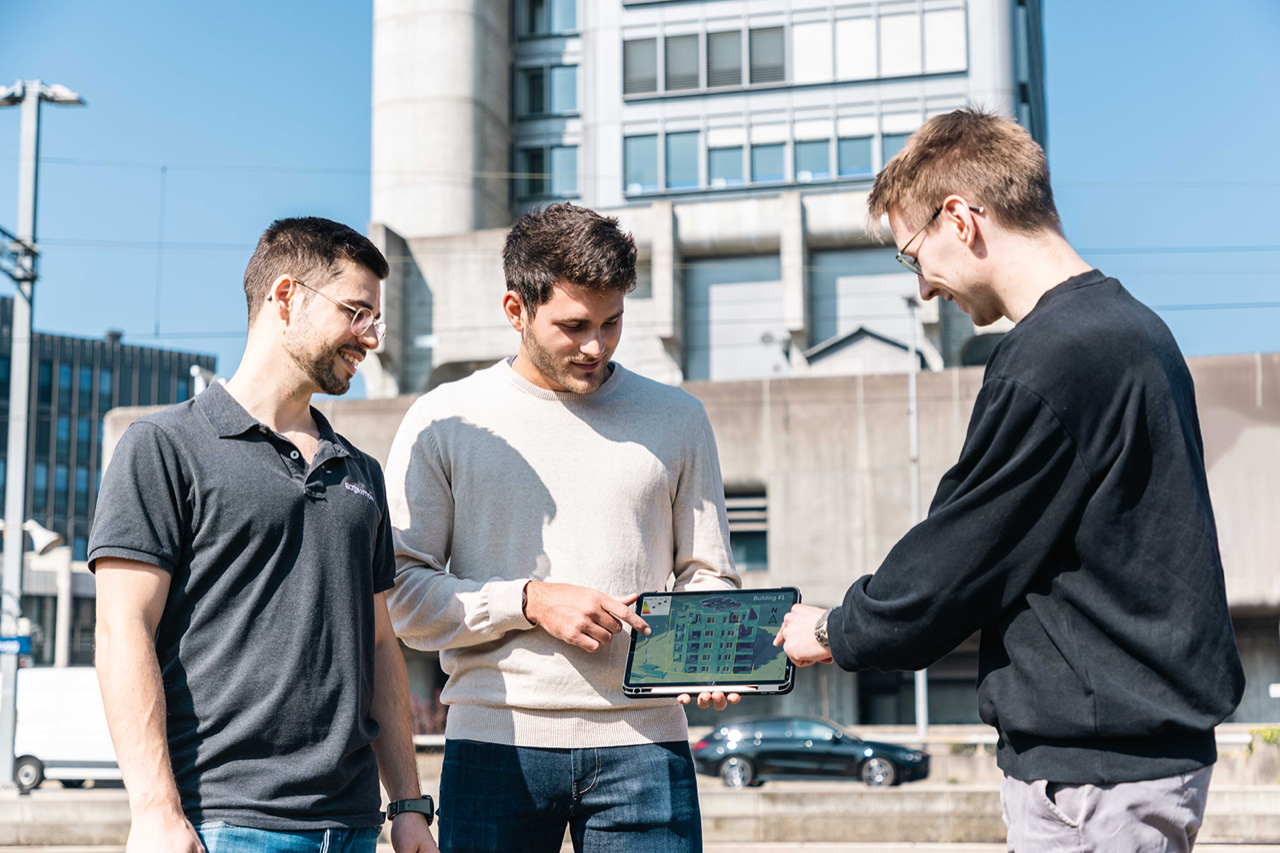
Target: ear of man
x=513, y=307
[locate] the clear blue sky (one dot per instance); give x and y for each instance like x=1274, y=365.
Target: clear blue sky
x=1163, y=130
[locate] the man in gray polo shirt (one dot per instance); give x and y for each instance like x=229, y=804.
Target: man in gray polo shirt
x=252, y=682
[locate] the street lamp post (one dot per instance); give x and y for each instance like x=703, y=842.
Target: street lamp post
x=913, y=451
x=29, y=94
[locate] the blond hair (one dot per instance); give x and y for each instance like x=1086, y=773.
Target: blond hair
x=987, y=159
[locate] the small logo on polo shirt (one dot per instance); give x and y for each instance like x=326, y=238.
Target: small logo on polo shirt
x=352, y=487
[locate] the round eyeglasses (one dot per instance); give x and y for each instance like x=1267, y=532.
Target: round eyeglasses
x=362, y=319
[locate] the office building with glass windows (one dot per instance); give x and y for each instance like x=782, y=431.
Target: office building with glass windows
x=74, y=382
x=737, y=139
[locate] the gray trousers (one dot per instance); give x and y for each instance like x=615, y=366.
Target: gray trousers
x=1152, y=816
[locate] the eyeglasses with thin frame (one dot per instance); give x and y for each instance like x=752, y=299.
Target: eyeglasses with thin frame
x=362, y=319
x=909, y=261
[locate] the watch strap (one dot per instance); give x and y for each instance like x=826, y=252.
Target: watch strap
x=820, y=630
x=424, y=806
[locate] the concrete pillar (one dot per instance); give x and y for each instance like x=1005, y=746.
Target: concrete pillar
x=63, y=609
x=384, y=375
x=668, y=291
x=795, y=276
x=441, y=115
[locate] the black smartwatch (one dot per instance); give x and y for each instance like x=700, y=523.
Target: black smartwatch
x=423, y=806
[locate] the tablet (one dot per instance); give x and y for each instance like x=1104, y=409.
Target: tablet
x=710, y=640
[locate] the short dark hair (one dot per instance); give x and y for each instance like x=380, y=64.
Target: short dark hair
x=307, y=247
x=988, y=159
x=564, y=242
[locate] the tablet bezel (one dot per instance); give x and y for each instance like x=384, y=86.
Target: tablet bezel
x=737, y=683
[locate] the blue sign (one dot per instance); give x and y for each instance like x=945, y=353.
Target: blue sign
x=15, y=645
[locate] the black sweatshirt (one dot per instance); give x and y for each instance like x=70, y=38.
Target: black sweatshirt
x=1076, y=532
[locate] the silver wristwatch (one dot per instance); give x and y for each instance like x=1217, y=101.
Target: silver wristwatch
x=820, y=630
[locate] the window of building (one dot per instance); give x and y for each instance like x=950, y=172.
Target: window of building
x=64, y=386
x=564, y=171
x=84, y=429
x=749, y=531
x=61, y=487
x=853, y=156
x=44, y=383
x=184, y=389
x=164, y=388
x=546, y=17
x=547, y=91
x=44, y=435
x=144, y=385
x=82, y=627
x=3, y=472
x=80, y=548
x=564, y=89
x=682, y=160
x=104, y=388
x=639, y=66
x=40, y=486
x=64, y=436
x=82, y=490
x=681, y=53
x=4, y=378
x=532, y=91
x=768, y=55
x=768, y=162
x=724, y=166
x=813, y=160
x=548, y=172
x=890, y=144
x=85, y=386
x=724, y=59
x=532, y=166
x=640, y=163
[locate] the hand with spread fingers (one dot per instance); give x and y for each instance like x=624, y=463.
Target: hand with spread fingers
x=582, y=617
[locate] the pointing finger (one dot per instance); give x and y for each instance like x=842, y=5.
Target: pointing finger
x=618, y=609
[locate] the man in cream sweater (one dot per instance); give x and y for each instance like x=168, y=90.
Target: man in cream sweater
x=530, y=503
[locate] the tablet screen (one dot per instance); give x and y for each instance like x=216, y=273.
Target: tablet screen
x=710, y=637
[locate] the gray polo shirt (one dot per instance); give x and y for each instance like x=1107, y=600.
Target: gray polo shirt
x=266, y=641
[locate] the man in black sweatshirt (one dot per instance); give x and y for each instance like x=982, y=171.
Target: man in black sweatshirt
x=1075, y=531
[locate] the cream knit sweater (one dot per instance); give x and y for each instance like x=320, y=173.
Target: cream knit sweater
x=493, y=481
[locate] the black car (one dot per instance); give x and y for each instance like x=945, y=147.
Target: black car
x=749, y=752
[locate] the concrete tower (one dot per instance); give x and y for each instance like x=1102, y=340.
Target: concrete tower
x=441, y=115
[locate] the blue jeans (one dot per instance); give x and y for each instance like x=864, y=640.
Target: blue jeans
x=620, y=799
x=219, y=837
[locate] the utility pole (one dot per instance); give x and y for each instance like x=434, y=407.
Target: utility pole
x=29, y=94
x=913, y=453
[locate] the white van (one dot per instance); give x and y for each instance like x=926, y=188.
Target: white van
x=62, y=729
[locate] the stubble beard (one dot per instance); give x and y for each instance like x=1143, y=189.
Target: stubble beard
x=318, y=367
x=558, y=371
